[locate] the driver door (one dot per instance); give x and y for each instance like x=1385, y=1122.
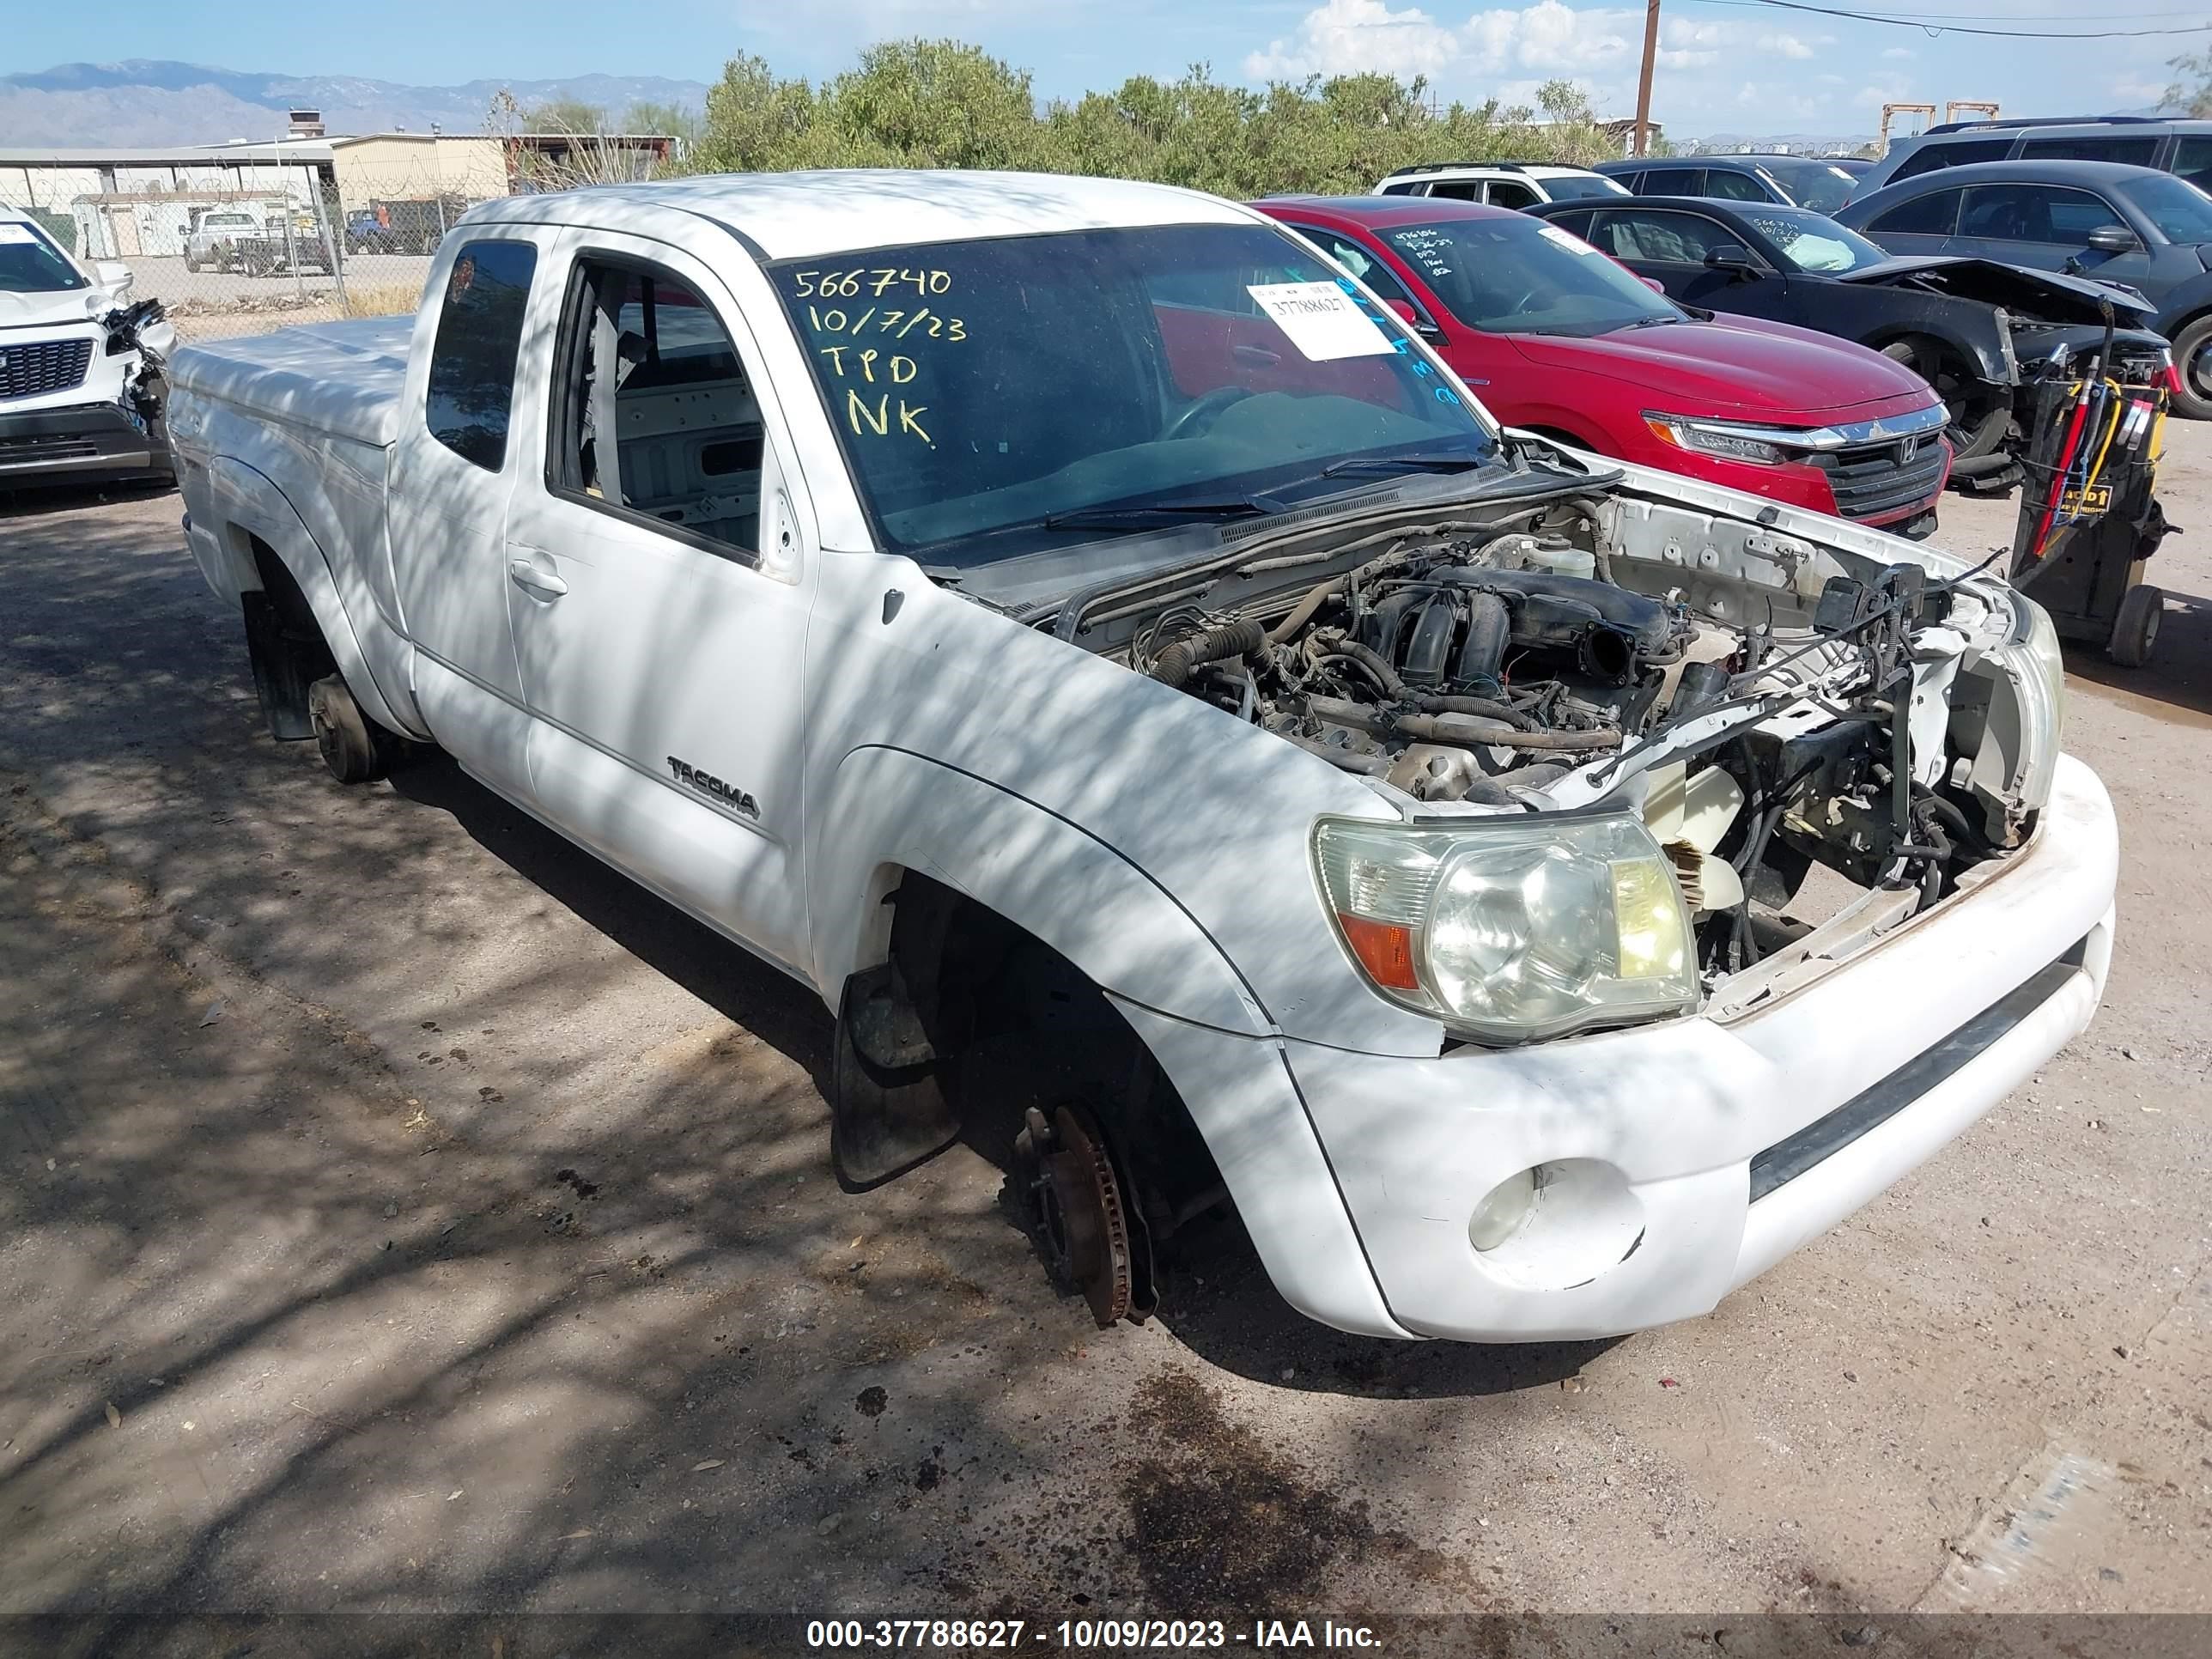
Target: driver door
x=661, y=654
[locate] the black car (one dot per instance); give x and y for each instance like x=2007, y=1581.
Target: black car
x=2146, y=229
x=1942, y=316
x=1793, y=180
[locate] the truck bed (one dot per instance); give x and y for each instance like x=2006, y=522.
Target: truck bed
x=344, y=378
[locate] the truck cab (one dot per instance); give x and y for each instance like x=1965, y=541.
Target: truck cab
x=1088, y=639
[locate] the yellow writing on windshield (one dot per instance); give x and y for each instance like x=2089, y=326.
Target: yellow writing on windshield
x=864, y=418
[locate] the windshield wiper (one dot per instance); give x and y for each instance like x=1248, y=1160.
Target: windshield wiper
x=1414, y=463
x=1242, y=506
x=1649, y=322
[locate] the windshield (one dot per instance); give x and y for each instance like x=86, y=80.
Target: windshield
x=1820, y=185
x=1574, y=187
x=29, y=264
x=1510, y=275
x=985, y=390
x=2182, y=212
x=1811, y=242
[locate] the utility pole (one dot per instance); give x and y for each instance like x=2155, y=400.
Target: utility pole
x=1644, y=81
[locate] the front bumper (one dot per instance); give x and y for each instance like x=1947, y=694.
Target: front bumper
x=79, y=442
x=1682, y=1159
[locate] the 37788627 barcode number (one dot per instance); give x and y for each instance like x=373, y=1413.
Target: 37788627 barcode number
x=972, y=1634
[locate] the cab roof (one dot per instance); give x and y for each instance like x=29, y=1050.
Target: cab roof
x=1389, y=209
x=784, y=216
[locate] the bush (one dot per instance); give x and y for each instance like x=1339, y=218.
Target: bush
x=945, y=104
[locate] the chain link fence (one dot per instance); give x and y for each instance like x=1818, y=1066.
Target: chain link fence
x=232, y=248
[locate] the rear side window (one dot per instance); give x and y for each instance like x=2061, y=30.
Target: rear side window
x=472, y=358
x=2136, y=152
x=1671, y=181
x=1505, y=194
x=1956, y=153
x=1459, y=190
x=1935, y=214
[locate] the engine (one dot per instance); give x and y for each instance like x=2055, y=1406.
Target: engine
x=1456, y=668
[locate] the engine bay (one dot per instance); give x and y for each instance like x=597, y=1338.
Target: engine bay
x=1769, y=705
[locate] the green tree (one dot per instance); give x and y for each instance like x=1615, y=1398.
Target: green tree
x=2190, y=92
x=672, y=119
x=564, y=115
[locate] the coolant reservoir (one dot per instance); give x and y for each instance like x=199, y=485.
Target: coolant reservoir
x=1561, y=560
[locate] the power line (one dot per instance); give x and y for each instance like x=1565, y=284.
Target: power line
x=1935, y=28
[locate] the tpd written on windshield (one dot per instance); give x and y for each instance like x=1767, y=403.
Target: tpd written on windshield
x=873, y=328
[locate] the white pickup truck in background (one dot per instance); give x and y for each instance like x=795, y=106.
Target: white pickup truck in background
x=1081, y=633
x=80, y=369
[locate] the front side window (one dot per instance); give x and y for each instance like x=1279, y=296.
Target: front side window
x=1361, y=263
x=1657, y=236
x=1819, y=185
x=29, y=264
x=1006, y=396
x=1517, y=276
x=1732, y=186
x=654, y=415
x=2182, y=212
x=1935, y=214
x=472, y=356
x=2034, y=213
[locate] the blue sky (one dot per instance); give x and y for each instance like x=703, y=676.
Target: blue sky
x=1733, y=67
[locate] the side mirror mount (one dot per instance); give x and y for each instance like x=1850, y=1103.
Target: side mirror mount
x=2114, y=239
x=1731, y=257
x=114, y=274
x=1653, y=283
x=1417, y=318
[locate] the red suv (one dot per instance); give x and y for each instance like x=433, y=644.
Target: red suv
x=1556, y=336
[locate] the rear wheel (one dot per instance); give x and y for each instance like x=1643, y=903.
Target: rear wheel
x=1979, y=412
x=354, y=748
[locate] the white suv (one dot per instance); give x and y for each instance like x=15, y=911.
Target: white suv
x=1500, y=184
x=80, y=384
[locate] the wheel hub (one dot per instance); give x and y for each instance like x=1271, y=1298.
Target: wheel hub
x=1076, y=1207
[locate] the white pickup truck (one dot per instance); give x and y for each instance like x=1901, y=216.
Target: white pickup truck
x=1078, y=631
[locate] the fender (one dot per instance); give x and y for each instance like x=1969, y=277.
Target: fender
x=2181, y=305
x=885, y=809
x=252, y=503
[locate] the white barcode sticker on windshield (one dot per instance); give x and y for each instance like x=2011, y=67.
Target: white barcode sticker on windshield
x=1567, y=240
x=1324, y=321
x=16, y=235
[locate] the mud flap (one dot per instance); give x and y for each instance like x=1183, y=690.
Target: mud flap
x=284, y=667
x=887, y=1110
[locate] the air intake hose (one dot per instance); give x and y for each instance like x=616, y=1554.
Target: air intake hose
x=1176, y=664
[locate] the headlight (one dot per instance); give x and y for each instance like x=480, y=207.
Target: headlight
x=1512, y=929
x=1720, y=438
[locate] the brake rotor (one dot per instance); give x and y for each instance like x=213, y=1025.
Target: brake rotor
x=1075, y=1199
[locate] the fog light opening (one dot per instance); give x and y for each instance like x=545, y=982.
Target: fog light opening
x=1502, y=1210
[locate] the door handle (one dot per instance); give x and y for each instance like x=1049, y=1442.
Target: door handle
x=524, y=573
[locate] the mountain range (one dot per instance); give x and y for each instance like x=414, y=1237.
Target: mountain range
x=150, y=103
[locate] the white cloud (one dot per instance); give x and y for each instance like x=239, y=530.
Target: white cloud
x=1504, y=52
x=1899, y=54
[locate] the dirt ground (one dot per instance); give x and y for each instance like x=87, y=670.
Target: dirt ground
x=400, y=1210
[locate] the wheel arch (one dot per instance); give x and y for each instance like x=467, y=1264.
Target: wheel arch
x=253, y=518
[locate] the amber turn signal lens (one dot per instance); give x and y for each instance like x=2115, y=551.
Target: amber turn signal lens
x=1385, y=950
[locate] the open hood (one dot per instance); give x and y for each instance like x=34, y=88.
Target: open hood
x=2046, y=296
